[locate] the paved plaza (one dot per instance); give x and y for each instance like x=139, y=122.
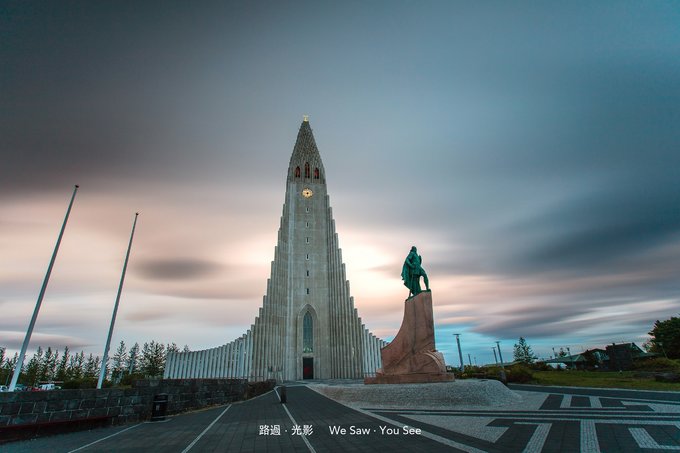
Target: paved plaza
x=538, y=419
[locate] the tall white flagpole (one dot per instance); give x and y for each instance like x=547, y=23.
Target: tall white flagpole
x=102, y=373
x=29, y=332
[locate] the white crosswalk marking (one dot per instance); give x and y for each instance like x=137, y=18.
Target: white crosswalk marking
x=537, y=441
x=589, y=443
x=644, y=440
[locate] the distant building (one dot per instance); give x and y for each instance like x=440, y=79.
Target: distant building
x=621, y=356
x=307, y=326
x=614, y=358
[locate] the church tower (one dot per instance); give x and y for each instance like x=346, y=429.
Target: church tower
x=307, y=326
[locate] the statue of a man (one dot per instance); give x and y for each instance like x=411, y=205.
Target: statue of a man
x=412, y=271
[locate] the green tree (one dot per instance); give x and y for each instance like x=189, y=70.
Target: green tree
x=171, y=347
x=133, y=360
x=61, y=373
x=523, y=353
x=92, y=367
x=120, y=359
x=8, y=368
x=32, y=371
x=75, y=366
x=152, y=362
x=666, y=338
x=49, y=365
x=3, y=366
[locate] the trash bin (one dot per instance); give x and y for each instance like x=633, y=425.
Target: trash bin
x=160, y=407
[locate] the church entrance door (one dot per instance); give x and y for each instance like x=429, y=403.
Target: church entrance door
x=308, y=368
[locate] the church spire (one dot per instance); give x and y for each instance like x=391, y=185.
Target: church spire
x=307, y=326
x=305, y=162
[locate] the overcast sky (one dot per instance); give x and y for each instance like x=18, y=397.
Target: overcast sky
x=530, y=150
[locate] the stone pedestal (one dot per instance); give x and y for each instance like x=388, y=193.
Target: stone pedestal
x=411, y=357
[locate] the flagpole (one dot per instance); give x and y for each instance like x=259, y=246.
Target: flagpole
x=102, y=373
x=29, y=332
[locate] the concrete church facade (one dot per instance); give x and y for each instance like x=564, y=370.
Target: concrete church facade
x=307, y=326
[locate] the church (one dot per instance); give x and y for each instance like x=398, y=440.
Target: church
x=307, y=327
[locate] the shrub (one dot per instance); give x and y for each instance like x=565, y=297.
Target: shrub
x=519, y=374
x=473, y=372
x=128, y=379
x=541, y=366
x=656, y=364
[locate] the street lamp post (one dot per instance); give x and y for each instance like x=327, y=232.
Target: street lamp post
x=500, y=355
x=31, y=325
x=460, y=353
x=105, y=359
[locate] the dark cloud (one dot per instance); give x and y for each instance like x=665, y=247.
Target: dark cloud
x=600, y=229
x=625, y=160
x=14, y=340
x=549, y=325
x=537, y=318
x=94, y=92
x=177, y=268
x=199, y=312
x=239, y=288
x=148, y=315
x=536, y=152
x=584, y=177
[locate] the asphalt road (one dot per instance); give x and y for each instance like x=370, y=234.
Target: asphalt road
x=551, y=419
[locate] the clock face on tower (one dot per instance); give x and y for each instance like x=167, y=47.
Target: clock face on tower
x=307, y=193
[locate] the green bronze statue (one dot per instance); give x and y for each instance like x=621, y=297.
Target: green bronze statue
x=412, y=271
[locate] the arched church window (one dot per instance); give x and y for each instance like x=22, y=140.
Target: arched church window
x=306, y=169
x=297, y=172
x=316, y=173
x=307, y=333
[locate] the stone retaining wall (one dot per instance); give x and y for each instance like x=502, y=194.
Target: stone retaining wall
x=122, y=405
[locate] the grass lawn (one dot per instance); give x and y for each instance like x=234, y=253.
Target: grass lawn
x=601, y=379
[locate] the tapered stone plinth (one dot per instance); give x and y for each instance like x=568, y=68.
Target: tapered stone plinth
x=411, y=357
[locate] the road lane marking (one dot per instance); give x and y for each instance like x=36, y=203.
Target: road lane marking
x=302, y=435
x=205, y=431
x=104, y=438
x=427, y=434
x=431, y=436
